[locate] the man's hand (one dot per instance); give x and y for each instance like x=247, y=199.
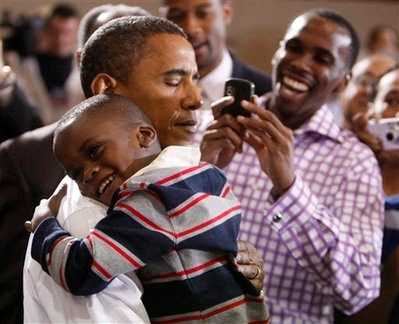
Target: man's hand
x=250, y=264
x=360, y=129
x=273, y=143
x=223, y=138
x=359, y=123
x=47, y=208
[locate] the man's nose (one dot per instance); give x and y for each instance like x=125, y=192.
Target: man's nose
x=193, y=99
x=303, y=61
x=191, y=25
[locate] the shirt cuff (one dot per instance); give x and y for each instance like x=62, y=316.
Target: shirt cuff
x=295, y=207
x=47, y=232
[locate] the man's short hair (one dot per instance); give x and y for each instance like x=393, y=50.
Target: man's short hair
x=116, y=47
x=89, y=19
x=343, y=22
x=111, y=106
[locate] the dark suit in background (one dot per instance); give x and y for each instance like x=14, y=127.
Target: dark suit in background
x=17, y=116
x=28, y=173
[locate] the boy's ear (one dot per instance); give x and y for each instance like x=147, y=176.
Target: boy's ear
x=146, y=135
x=103, y=83
x=344, y=82
x=227, y=12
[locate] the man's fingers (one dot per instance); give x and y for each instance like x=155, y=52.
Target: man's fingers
x=219, y=104
x=225, y=134
x=266, y=115
x=28, y=226
x=254, y=274
x=227, y=120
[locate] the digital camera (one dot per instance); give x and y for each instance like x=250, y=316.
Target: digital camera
x=240, y=89
x=387, y=130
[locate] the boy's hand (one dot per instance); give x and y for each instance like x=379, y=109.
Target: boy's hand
x=250, y=264
x=47, y=208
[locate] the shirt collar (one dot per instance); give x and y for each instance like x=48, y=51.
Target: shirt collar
x=172, y=156
x=212, y=84
x=323, y=123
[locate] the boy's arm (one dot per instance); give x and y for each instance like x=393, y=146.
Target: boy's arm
x=123, y=241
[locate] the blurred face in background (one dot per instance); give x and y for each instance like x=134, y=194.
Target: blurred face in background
x=59, y=36
x=204, y=22
x=386, y=41
x=360, y=91
x=386, y=104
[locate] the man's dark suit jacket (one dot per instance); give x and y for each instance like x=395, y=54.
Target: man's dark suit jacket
x=17, y=116
x=28, y=173
x=261, y=80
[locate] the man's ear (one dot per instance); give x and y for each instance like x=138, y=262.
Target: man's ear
x=227, y=12
x=343, y=83
x=78, y=55
x=146, y=135
x=103, y=83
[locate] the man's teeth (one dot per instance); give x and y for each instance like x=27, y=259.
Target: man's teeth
x=298, y=86
x=105, y=183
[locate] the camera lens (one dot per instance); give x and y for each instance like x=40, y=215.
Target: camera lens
x=389, y=136
x=230, y=91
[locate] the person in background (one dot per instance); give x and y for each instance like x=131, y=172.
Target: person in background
x=311, y=193
x=50, y=78
x=205, y=23
x=360, y=92
x=385, y=309
x=16, y=114
x=383, y=39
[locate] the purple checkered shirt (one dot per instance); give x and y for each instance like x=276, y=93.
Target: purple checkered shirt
x=321, y=241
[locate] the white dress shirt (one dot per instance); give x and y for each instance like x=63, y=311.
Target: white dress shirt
x=212, y=86
x=46, y=302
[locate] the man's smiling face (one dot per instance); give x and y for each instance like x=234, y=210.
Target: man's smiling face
x=311, y=64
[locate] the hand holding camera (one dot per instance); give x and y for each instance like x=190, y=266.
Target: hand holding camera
x=387, y=131
x=240, y=89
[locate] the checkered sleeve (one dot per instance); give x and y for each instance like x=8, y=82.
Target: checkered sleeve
x=124, y=241
x=339, y=246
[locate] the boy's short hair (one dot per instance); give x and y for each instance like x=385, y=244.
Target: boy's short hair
x=116, y=47
x=111, y=106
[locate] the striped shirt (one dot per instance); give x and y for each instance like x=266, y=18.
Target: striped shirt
x=321, y=241
x=178, y=226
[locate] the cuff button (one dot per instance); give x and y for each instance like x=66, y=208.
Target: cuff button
x=277, y=217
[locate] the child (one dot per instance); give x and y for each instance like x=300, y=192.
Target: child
x=167, y=210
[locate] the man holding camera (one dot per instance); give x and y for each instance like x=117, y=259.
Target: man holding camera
x=310, y=191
